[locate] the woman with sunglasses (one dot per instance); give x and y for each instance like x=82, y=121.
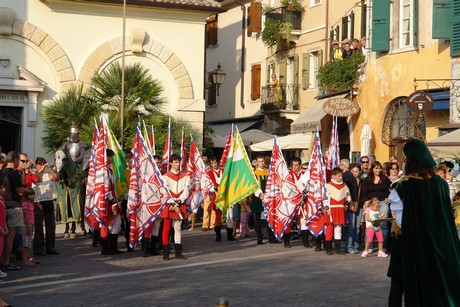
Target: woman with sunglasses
x=378, y=185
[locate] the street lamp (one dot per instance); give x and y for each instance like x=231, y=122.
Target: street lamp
x=218, y=77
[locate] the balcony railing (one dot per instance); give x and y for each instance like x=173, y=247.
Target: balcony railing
x=284, y=15
x=284, y=97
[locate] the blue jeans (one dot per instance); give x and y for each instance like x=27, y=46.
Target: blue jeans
x=354, y=222
x=385, y=209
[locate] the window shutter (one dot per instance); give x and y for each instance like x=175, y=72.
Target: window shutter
x=296, y=70
x=381, y=25
x=442, y=18
x=320, y=58
x=255, y=81
x=344, y=27
x=363, y=21
x=211, y=31
x=337, y=33
x=283, y=71
x=254, y=18
x=455, y=37
x=305, y=70
x=352, y=25
x=211, y=91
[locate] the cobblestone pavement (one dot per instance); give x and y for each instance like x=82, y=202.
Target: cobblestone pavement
x=241, y=272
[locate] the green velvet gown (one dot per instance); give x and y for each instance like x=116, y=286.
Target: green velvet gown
x=426, y=257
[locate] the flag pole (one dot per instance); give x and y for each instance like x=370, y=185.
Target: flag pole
x=122, y=102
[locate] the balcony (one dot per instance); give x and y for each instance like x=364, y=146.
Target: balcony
x=285, y=104
x=282, y=14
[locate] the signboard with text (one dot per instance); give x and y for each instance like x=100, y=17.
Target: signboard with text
x=420, y=101
x=340, y=107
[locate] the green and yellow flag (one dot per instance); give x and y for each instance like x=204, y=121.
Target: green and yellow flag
x=119, y=164
x=238, y=180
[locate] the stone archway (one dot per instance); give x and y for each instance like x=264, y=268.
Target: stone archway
x=10, y=26
x=139, y=42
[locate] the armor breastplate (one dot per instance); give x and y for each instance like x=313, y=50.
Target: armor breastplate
x=74, y=150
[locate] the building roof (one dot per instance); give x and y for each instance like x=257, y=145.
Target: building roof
x=195, y=5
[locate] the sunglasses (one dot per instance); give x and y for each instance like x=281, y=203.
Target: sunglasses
x=23, y=161
x=364, y=162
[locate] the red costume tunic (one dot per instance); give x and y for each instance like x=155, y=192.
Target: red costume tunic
x=177, y=184
x=338, y=197
x=215, y=176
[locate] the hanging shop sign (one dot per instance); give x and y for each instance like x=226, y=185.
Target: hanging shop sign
x=420, y=101
x=340, y=107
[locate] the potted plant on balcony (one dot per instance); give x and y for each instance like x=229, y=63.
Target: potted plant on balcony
x=293, y=5
x=341, y=74
x=274, y=31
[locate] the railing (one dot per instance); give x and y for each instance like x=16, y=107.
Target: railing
x=284, y=15
x=282, y=97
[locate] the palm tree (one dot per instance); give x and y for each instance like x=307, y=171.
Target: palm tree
x=142, y=100
x=71, y=107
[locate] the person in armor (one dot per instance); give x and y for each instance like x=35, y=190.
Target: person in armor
x=77, y=149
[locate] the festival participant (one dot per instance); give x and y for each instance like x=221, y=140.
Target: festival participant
x=215, y=174
x=26, y=169
x=393, y=171
x=344, y=165
x=14, y=190
x=45, y=194
x=109, y=244
x=372, y=213
x=257, y=208
x=244, y=218
x=294, y=176
x=425, y=258
x=334, y=216
x=365, y=167
x=354, y=218
x=27, y=231
x=176, y=210
x=125, y=225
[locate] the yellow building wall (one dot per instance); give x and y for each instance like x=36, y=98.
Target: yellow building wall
x=391, y=76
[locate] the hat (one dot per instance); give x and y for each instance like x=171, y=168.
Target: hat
x=346, y=41
x=417, y=150
x=335, y=42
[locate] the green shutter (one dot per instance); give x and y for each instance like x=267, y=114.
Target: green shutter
x=345, y=27
x=442, y=18
x=455, y=38
x=381, y=25
x=305, y=68
x=283, y=71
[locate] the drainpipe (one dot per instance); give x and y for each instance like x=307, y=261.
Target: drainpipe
x=243, y=49
x=326, y=41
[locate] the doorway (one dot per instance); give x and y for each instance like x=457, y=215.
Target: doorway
x=10, y=128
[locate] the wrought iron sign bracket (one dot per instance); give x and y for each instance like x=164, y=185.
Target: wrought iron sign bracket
x=453, y=84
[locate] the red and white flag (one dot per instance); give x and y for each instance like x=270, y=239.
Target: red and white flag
x=183, y=153
x=333, y=153
x=91, y=181
x=167, y=151
x=148, y=193
x=200, y=183
x=316, y=190
x=282, y=196
x=101, y=209
x=228, y=146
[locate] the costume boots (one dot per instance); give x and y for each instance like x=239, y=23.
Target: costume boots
x=218, y=231
x=105, y=246
x=328, y=247
x=145, y=243
x=318, y=244
x=178, y=252
x=95, y=238
x=153, y=246
x=230, y=236
x=287, y=240
x=305, y=241
x=338, y=247
x=165, y=252
x=114, y=244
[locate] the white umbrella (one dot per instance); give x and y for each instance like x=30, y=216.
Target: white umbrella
x=366, y=136
x=446, y=147
x=288, y=142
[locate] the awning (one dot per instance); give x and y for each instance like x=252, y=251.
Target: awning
x=223, y=129
x=446, y=147
x=288, y=142
x=255, y=136
x=309, y=119
x=441, y=100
